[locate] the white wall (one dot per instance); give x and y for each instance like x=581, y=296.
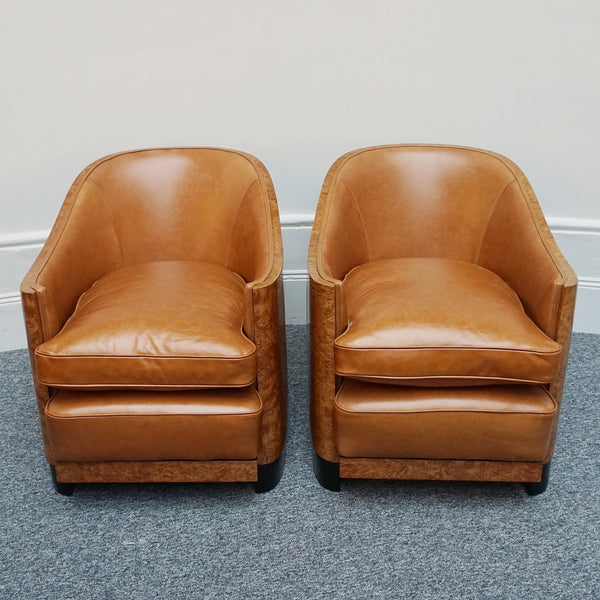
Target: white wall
x=297, y=84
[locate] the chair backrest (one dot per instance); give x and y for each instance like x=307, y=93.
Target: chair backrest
x=195, y=204
x=410, y=201
x=200, y=204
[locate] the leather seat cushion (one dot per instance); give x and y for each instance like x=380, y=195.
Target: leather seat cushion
x=139, y=425
x=506, y=423
x=430, y=321
x=170, y=325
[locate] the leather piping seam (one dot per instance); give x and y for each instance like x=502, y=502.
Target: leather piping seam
x=360, y=216
x=443, y=349
x=56, y=417
x=60, y=233
x=367, y=378
x=145, y=356
x=489, y=219
x=362, y=413
x=325, y=217
x=108, y=210
x=266, y=194
x=146, y=387
x=235, y=218
x=528, y=201
x=527, y=196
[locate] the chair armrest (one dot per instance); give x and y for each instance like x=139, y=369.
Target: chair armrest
x=518, y=246
x=255, y=246
x=325, y=299
x=269, y=337
x=267, y=326
x=81, y=248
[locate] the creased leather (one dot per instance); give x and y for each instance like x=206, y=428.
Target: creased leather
x=132, y=426
x=477, y=423
x=434, y=321
x=168, y=324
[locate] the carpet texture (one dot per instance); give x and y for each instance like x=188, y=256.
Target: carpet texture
x=373, y=540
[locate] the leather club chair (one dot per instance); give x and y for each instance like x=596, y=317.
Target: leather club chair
x=441, y=313
x=154, y=317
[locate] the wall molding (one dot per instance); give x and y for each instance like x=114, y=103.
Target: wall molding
x=11, y=298
x=297, y=219
x=579, y=239
x=23, y=239
x=557, y=224
x=571, y=226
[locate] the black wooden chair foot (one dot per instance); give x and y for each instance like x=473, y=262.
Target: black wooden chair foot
x=533, y=489
x=327, y=473
x=269, y=475
x=65, y=489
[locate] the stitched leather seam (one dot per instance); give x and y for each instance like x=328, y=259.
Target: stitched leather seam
x=234, y=221
x=527, y=196
x=325, y=197
x=442, y=348
x=483, y=233
x=74, y=193
x=147, y=387
x=362, y=413
x=251, y=414
x=145, y=356
x=369, y=378
x=268, y=192
x=528, y=201
x=362, y=221
x=110, y=212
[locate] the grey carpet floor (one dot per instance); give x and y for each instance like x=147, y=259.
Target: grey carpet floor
x=372, y=540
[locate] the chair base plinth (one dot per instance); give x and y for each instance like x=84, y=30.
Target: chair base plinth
x=263, y=477
x=269, y=475
x=170, y=471
x=330, y=474
x=440, y=470
x=327, y=473
x=533, y=489
x=64, y=489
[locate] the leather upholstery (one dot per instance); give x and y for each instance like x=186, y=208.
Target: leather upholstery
x=132, y=426
x=156, y=300
x=410, y=202
x=440, y=202
x=436, y=321
x=475, y=423
x=167, y=324
x=197, y=204
x=432, y=268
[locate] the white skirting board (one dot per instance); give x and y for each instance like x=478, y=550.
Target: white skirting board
x=579, y=239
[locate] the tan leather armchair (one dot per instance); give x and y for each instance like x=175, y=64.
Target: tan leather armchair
x=155, y=324
x=441, y=313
